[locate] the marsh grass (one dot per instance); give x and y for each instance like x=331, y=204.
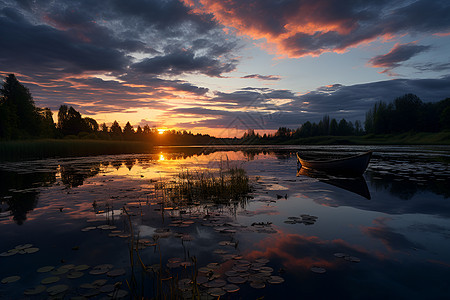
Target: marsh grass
x=226, y=185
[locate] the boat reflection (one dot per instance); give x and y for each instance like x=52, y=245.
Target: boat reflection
x=355, y=185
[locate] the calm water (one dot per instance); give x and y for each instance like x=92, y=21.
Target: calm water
x=384, y=236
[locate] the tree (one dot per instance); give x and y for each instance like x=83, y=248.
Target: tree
x=115, y=130
x=128, y=131
x=70, y=121
x=17, y=107
x=90, y=125
x=333, y=127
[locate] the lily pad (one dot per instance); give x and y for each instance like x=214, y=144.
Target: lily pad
x=216, y=292
x=108, y=288
x=116, y=272
x=275, y=280
x=340, y=255
x=74, y=274
x=257, y=284
x=5, y=254
x=31, y=250
x=236, y=279
x=57, y=289
x=45, y=269
x=318, y=270
x=202, y=279
x=22, y=247
x=81, y=268
x=100, y=282
x=118, y=294
x=35, y=290
x=10, y=279
x=49, y=280
x=231, y=288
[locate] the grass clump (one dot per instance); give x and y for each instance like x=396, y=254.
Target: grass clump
x=224, y=186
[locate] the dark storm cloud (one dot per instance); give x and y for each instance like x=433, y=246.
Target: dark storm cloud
x=59, y=47
x=311, y=27
x=179, y=62
x=27, y=46
x=262, y=77
x=397, y=55
x=258, y=109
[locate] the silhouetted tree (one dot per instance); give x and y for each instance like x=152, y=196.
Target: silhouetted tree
x=21, y=118
x=116, y=130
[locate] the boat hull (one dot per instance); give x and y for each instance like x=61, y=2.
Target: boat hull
x=353, y=165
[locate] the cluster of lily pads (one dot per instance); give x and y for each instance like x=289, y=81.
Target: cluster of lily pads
x=303, y=219
x=217, y=282
x=20, y=249
x=70, y=271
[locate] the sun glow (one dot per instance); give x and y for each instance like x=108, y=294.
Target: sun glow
x=161, y=130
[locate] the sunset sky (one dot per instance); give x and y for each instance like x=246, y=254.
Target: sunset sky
x=224, y=66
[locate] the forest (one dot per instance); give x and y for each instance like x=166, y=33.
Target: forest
x=21, y=119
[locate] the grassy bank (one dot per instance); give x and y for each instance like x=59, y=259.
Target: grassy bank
x=409, y=138
x=38, y=149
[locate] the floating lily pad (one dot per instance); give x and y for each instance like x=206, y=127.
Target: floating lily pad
x=22, y=247
x=75, y=274
x=232, y=273
x=262, y=260
x=116, y=272
x=81, y=268
x=60, y=271
x=108, y=288
x=57, y=289
x=352, y=258
x=35, y=290
x=257, y=284
x=91, y=293
x=266, y=269
x=118, y=294
x=202, y=279
x=49, y=280
x=275, y=280
x=216, y=292
x=340, y=255
x=45, y=269
x=87, y=286
x=31, y=250
x=88, y=228
x=318, y=270
x=10, y=279
x=100, y=282
x=5, y=254
x=236, y=279
x=217, y=283
x=231, y=288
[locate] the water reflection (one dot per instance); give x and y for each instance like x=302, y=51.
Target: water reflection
x=355, y=185
x=402, y=230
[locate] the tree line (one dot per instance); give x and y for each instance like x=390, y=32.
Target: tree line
x=21, y=119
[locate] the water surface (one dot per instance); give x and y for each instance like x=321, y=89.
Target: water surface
x=391, y=240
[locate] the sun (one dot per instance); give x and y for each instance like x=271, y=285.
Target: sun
x=161, y=130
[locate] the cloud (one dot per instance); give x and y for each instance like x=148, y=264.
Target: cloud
x=297, y=28
x=397, y=55
x=262, y=77
x=179, y=62
x=254, y=108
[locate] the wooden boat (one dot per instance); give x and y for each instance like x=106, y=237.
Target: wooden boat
x=351, y=165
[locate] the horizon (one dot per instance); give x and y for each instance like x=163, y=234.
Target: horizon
x=222, y=68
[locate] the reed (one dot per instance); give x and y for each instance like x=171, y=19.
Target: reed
x=221, y=187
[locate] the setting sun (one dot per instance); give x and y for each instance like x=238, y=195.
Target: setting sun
x=161, y=130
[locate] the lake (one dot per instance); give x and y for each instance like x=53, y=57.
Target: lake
x=70, y=227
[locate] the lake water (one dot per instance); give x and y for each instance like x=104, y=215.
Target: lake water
x=386, y=235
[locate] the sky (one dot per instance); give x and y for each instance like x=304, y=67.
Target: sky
x=225, y=66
